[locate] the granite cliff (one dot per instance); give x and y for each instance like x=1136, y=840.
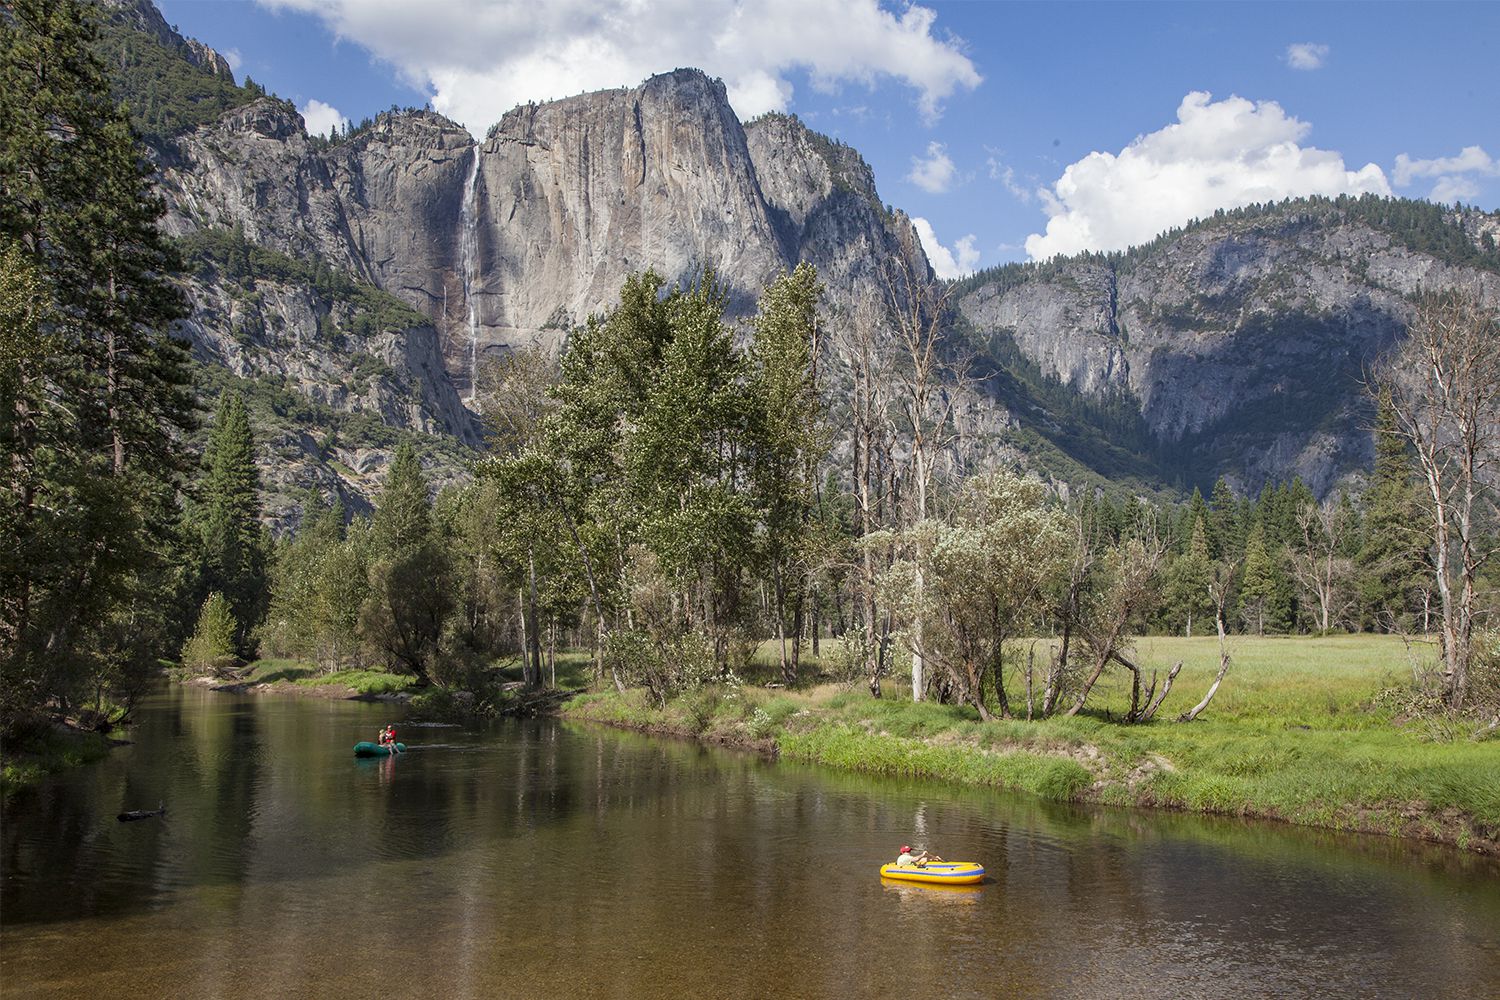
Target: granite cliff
x=1246, y=339
x=1233, y=347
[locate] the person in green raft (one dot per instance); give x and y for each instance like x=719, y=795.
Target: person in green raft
x=910, y=860
x=388, y=739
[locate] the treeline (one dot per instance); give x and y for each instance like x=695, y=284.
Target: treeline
x=1419, y=225
x=1293, y=564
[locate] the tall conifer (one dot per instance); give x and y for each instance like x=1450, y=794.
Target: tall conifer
x=1392, y=560
x=96, y=406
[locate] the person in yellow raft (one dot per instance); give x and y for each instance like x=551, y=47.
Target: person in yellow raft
x=909, y=860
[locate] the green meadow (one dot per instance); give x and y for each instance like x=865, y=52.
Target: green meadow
x=1306, y=730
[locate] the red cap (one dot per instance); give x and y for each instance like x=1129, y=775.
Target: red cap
x=905, y=848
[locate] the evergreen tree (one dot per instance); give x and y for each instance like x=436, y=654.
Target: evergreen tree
x=233, y=543
x=1195, y=512
x=1187, y=597
x=1392, y=562
x=410, y=584
x=1225, y=532
x=1265, y=589
x=403, y=511
x=97, y=401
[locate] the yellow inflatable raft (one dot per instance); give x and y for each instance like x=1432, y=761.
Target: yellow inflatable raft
x=937, y=872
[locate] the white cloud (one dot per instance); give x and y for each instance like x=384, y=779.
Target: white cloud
x=942, y=259
x=480, y=58
x=1006, y=175
x=321, y=118
x=233, y=58
x=1450, y=185
x=1471, y=159
x=1306, y=55
x=1218, y=155
x=933, y=174
x=1451, y=189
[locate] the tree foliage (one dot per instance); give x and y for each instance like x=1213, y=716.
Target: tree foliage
x=97, y=398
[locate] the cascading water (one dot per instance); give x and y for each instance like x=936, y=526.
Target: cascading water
x=468, y=248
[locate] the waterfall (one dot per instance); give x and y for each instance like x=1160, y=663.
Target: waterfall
x=468, y=248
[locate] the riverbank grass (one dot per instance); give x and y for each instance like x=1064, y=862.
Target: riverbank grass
x=1300, y=731
x=46, y=752
x=309, y=675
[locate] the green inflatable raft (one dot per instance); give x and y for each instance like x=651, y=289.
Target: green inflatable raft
x=376, y=750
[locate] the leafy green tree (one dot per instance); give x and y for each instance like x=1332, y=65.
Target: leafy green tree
x=211, y=648
x=789, y=443
x=986, y=569
x=341, y=590
x=291, y=625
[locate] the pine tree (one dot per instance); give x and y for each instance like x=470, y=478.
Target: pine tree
x=1265, y=589
x=403, y=511
x=1225, y=532
x=1195, y=512
x=1392, y=561
x=1187, y=595
x=94, y=411
x=410, y=586
x=234, y=550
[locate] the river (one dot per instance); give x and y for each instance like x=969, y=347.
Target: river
x=544, y=859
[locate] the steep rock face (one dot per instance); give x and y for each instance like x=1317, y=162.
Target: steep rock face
x=1065, y=324
x=1246, y=341
x=566, y=199
x=402, y=185
x=256, y=168
x=822, y=196
x=577, y=194
x=285, y=342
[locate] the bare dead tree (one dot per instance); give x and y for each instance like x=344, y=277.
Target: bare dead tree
x=1219, y=591
x=928, y=379
x=1444, y=387
x=870, y=427
x=1319, y=569
x=1132, y=588
x=1143, y=707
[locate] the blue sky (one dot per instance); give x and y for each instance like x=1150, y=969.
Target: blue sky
x=1013, y=130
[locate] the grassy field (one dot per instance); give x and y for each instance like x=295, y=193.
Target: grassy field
x=1300, y=731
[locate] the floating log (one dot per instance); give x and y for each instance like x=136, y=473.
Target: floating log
x=132, y=815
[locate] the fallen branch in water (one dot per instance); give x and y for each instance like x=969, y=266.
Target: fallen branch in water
x=135, y=814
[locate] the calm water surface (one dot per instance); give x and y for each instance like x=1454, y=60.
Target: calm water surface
x=547, y=860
